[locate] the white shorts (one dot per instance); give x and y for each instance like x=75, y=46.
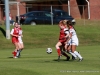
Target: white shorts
x=74, y=42
x=20, y=40
x=69, y=42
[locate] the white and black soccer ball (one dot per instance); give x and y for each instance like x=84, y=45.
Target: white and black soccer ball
x=49, y=50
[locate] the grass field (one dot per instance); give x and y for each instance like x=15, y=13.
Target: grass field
x=35, y=61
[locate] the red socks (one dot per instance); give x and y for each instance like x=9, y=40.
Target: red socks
x=59, y=52
x=14, y=53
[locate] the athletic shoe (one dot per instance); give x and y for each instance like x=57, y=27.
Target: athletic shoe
x=58, y=58
x=15, y=57
x=78, y=52
x=81, y=59
x=73, y=58
x=68, y=58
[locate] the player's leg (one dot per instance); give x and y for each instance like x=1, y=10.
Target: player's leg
x=58, y=49
x=63, y=52
x=68, y=48
x=21, y=45
x=18, y=50
x=15, y=51
x=76, y=53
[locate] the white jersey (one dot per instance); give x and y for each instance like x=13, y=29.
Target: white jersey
x=20, y=37
x=12, y=31
x=67, y=33
x=74, y=38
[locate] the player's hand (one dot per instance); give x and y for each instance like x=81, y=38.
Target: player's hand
x=16, y=35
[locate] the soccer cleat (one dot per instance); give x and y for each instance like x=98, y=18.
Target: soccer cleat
x=15, y=57
x=68, y=58
x=81, y=59
x=78, y=52
x=73, y=58
x=59, y=58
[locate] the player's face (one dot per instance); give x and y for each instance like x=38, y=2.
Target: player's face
x=62, y=26
x=16, y=25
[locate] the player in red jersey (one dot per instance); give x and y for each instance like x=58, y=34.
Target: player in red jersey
x=15, y=33
x=62, y=39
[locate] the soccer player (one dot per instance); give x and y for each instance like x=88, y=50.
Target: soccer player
x=66, y=30
x=20, y=41
x=73, y=41
x=15, y=33
x=62, y=39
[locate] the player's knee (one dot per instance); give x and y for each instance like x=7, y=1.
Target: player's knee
x=56, y=46
x=22, y=47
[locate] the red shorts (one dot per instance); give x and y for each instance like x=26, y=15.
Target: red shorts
x=62, y=41
x=14, y=40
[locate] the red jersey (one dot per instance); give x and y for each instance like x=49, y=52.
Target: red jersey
x=62, y=35
x=15, y=31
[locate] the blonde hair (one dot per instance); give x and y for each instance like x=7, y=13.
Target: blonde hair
x=65, y=22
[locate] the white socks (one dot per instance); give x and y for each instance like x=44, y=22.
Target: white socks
x=78, y=55
x=18, y=52
x=73, y=54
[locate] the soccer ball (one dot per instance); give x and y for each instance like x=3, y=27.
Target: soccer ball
x=49, y=50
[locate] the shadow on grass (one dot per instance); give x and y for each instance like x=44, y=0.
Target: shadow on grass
x=10, y=57
x=61, y=60
x=64, y=60
x=3, y=31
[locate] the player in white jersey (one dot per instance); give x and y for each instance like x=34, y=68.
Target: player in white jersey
x=20, y=36
x=73, y=41
x=20, y=41
x=68, y=43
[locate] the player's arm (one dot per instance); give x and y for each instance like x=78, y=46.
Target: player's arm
x=20, y=33
x=66, y=31
x=69, y=37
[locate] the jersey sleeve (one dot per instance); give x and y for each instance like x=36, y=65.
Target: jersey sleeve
x=12, y=31
x=66, y=31
x=71, y=30
x=20, y=32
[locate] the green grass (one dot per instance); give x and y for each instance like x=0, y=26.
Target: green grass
x=35, y=61
x=47, y=36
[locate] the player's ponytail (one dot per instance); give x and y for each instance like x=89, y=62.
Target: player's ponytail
x=69, y=23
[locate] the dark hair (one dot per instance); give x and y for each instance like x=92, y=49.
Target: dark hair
x=70, y=24
x=17, y=23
